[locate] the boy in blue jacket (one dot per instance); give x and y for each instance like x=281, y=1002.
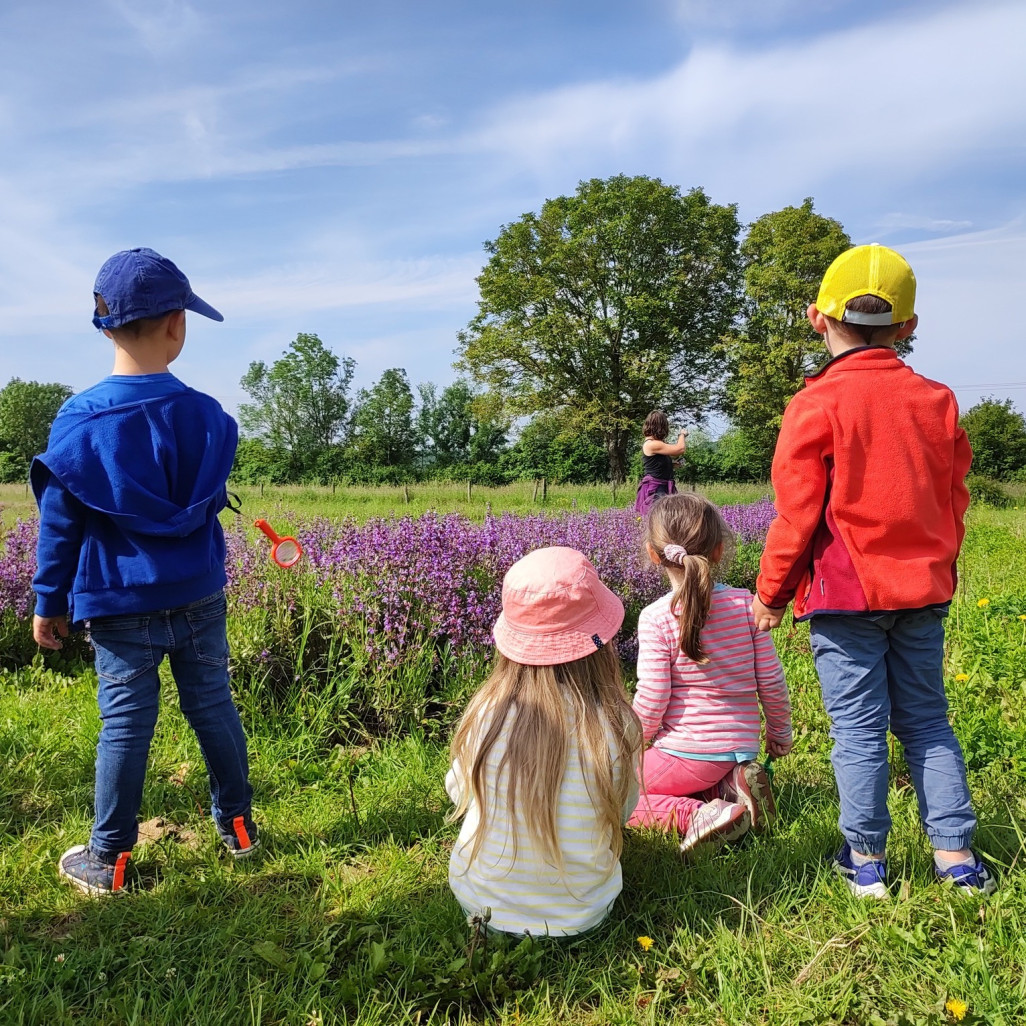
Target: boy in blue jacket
x=129, y=490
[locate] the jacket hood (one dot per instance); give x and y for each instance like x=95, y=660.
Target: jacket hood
x=154, y=467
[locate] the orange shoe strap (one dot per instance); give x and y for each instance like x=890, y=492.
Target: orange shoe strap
x=241, y=834
x=119, y=871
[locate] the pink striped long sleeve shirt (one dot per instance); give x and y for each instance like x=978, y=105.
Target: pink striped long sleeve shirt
x=713, y=707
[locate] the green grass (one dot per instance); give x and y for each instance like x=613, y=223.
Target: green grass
x=287, y=502
x=348, y=917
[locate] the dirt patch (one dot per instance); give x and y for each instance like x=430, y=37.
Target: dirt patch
x=158, y=828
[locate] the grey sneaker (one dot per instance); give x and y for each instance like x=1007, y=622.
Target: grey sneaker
x=88, y=872
x=714, y=824
x=748, y=784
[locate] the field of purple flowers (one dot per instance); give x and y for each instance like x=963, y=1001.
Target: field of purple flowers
x=394, y=613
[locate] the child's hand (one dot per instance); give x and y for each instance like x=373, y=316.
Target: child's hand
x=778, y=749
x=43, y=630
x=766, y=617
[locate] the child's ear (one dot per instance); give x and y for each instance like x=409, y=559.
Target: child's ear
x=908, y=327
x=816, y=319
x=652, y=554
x=717, y=554
x=176, y=324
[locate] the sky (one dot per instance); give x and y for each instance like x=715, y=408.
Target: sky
x=335, y=167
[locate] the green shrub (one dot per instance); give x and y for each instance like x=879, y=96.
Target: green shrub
x=987, y=492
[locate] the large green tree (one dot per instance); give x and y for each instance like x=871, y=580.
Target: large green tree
x=772, y=349
x=605, y=305
x=452, y=431
x=27, y=411
x=300, y=403
x=997, y=433
x=383, y=433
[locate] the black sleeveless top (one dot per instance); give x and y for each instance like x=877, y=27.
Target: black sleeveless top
x=660, y=466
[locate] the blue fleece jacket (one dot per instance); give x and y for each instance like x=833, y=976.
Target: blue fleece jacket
x=129, y=490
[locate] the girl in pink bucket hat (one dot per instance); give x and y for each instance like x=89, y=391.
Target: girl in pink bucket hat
x=545, y=758
x=706, y=678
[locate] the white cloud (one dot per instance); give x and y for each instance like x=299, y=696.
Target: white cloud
x=970, y=334
x=891, y=222
x=427, y=283
x=888, y=100
x=159, y=24
x=735, y=13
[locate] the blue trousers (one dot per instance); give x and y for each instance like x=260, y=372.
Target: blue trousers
x=881, y=670
x=129, y=649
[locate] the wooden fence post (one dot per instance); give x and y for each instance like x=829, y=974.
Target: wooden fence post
x=470, y=488
x=545, y=489
x=534, y=496
x=406, y=493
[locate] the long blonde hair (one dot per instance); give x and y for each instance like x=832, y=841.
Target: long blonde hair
x=545, y=707
x=691, y=521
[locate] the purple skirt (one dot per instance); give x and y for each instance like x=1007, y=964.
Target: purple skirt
x=650, y=489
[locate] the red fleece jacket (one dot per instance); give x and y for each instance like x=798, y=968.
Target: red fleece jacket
x=869, y=474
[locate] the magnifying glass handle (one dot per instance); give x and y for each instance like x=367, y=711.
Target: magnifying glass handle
x=264, y=526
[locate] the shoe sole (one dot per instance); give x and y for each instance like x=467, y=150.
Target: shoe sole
x=83, y=885
x=718, y=834
x=756, y=795
x=246, y=853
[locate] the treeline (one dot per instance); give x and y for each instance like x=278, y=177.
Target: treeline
x=625, y=297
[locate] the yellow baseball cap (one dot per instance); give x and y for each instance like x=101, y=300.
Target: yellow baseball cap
x=872, y=270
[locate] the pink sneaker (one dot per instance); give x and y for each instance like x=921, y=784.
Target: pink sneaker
x=714, y=824
x=748, y=783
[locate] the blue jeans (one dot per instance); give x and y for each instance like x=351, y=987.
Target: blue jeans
x=129, y=649
x=886, y=669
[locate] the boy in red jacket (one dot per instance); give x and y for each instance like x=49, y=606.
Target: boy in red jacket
x=869, y=474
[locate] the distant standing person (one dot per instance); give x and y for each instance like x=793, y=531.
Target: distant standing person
x=658, y=457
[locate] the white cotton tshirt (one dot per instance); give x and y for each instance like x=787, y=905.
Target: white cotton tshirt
x=527, y=894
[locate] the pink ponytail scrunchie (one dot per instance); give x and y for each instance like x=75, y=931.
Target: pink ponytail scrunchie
x=675, y=554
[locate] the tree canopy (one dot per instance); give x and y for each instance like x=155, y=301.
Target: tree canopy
x=773, y=348
x=301, y=402
x=383, y=424
x=997, y=433
x=605, y=305
x=27, y=411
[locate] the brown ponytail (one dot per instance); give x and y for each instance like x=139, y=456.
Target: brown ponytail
x=688, y=521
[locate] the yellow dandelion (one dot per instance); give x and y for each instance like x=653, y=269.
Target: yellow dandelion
x=645, y=942
x=1022, y=616
x=983, y=603
x=961, y=677
x=956, y=1008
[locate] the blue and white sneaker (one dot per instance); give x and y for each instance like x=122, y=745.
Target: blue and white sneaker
x=972, y=880
x=90, y=873
x=864, y=881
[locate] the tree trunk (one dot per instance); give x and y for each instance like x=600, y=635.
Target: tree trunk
x=615, y=446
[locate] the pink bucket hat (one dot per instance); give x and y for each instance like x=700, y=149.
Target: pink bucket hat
x=555, y=609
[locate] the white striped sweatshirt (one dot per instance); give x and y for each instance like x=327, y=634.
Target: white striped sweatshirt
x=525, y=893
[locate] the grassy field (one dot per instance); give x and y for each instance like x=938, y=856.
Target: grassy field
x=348, y=917
x=289, y=502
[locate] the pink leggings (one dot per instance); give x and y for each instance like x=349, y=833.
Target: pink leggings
x=669, y=786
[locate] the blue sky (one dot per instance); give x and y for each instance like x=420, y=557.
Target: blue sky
x=334, y=167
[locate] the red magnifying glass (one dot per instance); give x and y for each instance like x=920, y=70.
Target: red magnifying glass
x=285, y=550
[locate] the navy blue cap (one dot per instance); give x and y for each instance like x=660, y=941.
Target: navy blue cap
x=138, y=283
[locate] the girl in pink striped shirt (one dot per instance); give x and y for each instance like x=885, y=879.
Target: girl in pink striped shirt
x=706, y=679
